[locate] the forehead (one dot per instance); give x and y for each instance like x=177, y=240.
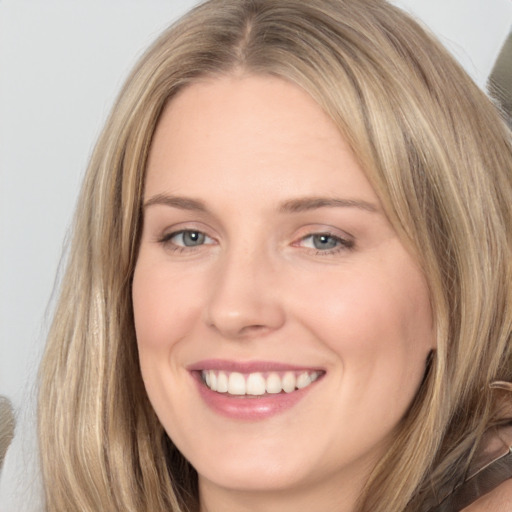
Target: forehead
x=231, y=132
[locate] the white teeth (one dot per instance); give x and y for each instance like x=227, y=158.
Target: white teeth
x=213, y=380
x=274, y=383
x=255, y=384
x=289, y=382
x=236, y=384
x=303, y=380
x=222, y=383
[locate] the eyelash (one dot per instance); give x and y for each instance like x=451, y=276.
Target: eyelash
x=342, y=244
x=166, y=240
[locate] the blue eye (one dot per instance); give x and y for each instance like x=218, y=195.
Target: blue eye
x=187, y=238
x=190, y=238
x=325, y=242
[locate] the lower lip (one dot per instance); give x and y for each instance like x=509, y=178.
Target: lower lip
x=249, y=408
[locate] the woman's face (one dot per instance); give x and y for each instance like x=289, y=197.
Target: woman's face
x=268, y=271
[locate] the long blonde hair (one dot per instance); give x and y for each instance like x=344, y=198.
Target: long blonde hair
x=436, y=152
x=7, y=423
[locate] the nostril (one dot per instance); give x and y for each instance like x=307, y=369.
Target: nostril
x=248, y=315
x=253, y=329
x=240, y=331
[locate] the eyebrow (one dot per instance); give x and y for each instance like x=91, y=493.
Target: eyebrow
x=313, y=203
x=183, y=203
x=291, y=206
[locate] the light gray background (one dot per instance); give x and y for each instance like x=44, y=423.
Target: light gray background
x=61, y=65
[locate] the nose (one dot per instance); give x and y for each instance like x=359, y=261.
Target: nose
x=245, y=297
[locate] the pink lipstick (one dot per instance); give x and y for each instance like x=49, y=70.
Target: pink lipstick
x=252, y=390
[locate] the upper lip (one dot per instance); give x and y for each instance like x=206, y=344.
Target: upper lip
x=248, y=366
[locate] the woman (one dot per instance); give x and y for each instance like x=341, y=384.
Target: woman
x=290, y=277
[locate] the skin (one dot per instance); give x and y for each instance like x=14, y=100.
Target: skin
x=259, y=288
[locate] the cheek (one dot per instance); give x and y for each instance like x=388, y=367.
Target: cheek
x=162, y=311
x=377, y=320
x=163, y=305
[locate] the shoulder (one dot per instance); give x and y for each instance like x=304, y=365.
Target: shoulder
x=490, y=473
x=498, y=500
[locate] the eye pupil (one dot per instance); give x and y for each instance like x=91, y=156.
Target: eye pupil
x=191, y=238
x=324, y=242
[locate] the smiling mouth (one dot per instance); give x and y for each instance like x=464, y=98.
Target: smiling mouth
x=258, y=383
